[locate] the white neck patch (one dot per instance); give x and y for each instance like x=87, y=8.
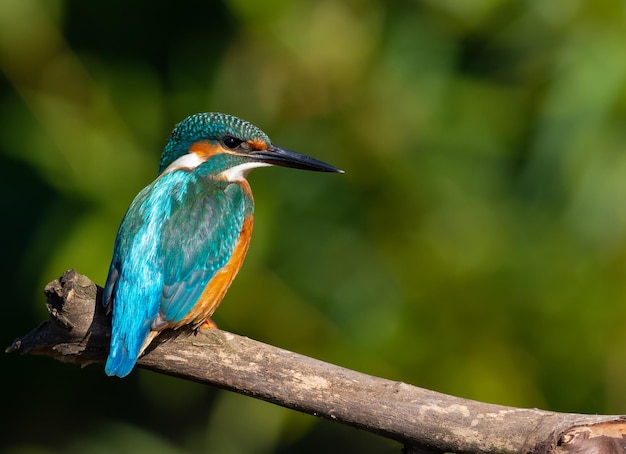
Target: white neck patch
x=241, y=171
x=191, y=160
x=187, y=161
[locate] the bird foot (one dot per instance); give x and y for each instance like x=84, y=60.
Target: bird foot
x=207, y=324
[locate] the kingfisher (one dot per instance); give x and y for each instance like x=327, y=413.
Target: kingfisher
x=184, y=237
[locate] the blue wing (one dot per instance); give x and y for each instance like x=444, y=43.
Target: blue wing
x=199, y=238
x=176, y=234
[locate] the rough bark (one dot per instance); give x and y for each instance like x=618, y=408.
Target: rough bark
x=423, y=421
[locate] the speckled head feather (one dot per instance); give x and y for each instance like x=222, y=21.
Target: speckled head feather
x=211, y=126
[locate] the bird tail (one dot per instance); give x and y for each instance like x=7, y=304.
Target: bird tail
x=122, y=359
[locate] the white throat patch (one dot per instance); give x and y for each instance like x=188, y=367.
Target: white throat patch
x=241, y=171
x=191, y=160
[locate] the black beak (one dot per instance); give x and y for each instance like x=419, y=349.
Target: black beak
x=285, y=158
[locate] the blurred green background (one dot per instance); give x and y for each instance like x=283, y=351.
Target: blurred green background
x=476, y=244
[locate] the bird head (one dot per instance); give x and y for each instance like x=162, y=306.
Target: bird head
x=233, y=147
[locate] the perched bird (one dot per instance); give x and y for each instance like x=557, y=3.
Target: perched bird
x=185, y=236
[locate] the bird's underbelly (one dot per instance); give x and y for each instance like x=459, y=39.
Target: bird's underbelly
x=215, y=290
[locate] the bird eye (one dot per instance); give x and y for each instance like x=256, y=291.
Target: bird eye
x=231, y=142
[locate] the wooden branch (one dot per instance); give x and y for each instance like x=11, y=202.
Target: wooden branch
x=423, y=421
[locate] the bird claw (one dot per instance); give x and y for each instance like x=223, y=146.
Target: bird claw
x=207, y=324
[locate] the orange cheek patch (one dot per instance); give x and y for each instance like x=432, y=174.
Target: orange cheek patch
x=257, y=144
x=205, y=149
